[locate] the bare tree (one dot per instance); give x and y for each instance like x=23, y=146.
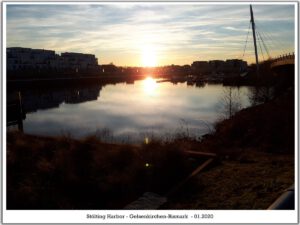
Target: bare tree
x=231, y=102
x=261, y=94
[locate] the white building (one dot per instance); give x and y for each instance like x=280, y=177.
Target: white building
x=27, y=58
x=39, y=59
x=79, y=61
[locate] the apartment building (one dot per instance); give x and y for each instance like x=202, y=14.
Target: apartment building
x=40, y=59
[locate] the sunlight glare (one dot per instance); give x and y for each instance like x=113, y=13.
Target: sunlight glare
x=149, y=57
x=150, y=86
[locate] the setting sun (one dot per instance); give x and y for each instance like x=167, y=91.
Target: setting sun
x=149, y=57
x=154, y=111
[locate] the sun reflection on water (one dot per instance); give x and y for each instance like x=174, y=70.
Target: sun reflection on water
x=150, y=86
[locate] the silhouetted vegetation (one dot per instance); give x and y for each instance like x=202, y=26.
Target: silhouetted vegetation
x=62, y=173
x=269, y=127
x=231, y=103
x=256, y=156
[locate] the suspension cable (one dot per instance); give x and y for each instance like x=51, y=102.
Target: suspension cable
x=277, y=43
x=246, y=40
x=264, y=45
x=259, y=40
x=272, y=43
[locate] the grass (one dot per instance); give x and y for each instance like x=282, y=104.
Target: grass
x=63, y=173
x=267, y=127
x=256, y=160
x=255, y=164
x=254, y=180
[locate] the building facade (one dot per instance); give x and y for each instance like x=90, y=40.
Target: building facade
x=27, y=58
x=218, y=66
x=79, y=61
x=19, y=59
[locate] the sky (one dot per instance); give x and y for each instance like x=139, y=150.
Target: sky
x=141, y=34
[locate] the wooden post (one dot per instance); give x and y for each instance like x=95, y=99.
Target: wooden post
x=20, y=113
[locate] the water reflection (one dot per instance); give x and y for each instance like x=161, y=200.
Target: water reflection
x=125, y=110
x=150, y=86
x=41, y=99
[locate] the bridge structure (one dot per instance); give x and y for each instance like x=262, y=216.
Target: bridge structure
x=283, y=60
x=284, y=64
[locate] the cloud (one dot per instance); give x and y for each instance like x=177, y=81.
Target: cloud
x=116, y=31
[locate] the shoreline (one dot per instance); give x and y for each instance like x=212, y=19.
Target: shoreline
x=252, y=156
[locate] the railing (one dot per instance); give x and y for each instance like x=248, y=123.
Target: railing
x=286, y=200
x=282, y=60
x=283, y=57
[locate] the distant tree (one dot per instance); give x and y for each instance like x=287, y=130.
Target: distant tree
x=231, y=102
